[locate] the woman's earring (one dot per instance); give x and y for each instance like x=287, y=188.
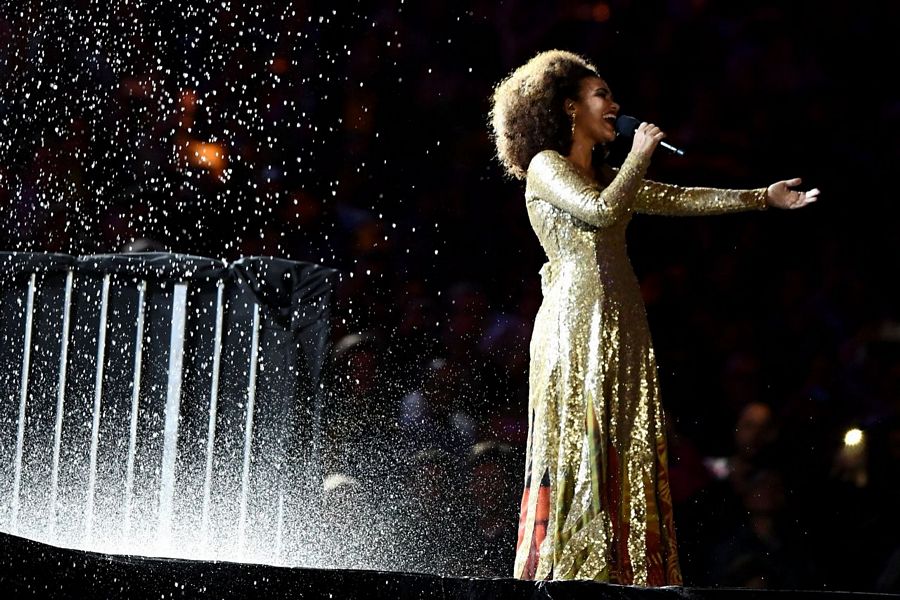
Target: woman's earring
x=573, y=125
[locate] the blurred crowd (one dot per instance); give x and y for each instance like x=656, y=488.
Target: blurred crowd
x=358, y=139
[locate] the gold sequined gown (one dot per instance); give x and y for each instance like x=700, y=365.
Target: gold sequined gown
x=596, y=502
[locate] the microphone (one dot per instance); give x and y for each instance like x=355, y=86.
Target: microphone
x=626, y=126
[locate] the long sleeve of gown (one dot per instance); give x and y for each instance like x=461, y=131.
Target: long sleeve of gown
x=551, y=177
x=668, y=199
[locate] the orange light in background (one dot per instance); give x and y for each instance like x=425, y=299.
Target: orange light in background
x=601, y=12
x=279, y=65
x=207, y=155
x=188, y=105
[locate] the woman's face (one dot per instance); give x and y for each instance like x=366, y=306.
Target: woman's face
x=595, y=111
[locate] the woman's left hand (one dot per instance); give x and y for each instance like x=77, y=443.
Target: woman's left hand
x=781, y=196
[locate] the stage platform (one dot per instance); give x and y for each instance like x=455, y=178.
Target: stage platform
x=30, y=569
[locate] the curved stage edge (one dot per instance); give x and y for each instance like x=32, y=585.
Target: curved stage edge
x=30, y=569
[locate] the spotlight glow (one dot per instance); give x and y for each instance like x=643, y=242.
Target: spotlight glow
x=853, y=437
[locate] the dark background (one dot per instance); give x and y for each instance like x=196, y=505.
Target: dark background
x=355, y=135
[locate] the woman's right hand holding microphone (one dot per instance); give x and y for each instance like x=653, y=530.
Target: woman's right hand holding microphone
x=646, y=138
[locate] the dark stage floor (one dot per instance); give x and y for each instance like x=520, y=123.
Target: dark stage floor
x=30, y=569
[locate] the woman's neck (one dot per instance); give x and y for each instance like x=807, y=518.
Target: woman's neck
x=580, y=156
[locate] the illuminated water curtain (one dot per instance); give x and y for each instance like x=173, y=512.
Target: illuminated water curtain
x=162, y=404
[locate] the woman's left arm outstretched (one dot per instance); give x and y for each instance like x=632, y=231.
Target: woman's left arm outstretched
x=658, y=198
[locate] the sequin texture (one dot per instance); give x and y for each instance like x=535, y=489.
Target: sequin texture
x=596, y=501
